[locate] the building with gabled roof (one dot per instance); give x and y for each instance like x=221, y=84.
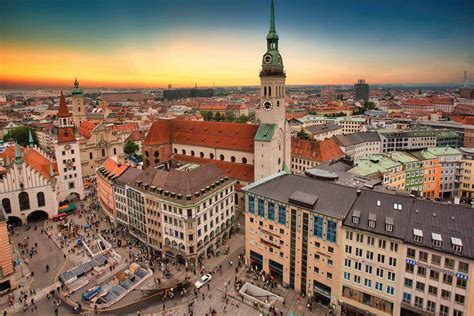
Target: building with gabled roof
x=307, y=154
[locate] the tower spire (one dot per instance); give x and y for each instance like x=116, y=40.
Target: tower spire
x=30, y=138
x=18, y=157
x=272, y=18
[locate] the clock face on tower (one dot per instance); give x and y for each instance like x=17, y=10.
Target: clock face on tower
x=267, y=105
x=267, y=58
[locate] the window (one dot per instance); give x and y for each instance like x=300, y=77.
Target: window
x=221, y=157
x=103, y=152
x=369, y=255
x=331, y=231
x=408, y=283
x=211, y=155
x=271, y=211
x=420, y=286
x=378, y=286
x=251, y=205
x=379, y=272
x=449, y=263
x=461, y=283
x=318, y=226
x=330, y=262
x=397, y=206
x=447, y=278
x=445, y=294
x=443, y=310
x=356, y=279
x=348, y=249
x=370, y=240
x=423, y=256
x=330, y=249
x=368, y=269
x=407, y=298
x=390, y=290
x=431, y=306
x=244, y=160
x=348, y=235
x=367, y=283
x=360, y=238
x=382, y=243
x=358, y=252
x=421, y=271
x=392, y=261
x=347, y=262
x=463, y=267
x=329, y=276
x=115, y=151
x=391, y=276
x=358, y=266
x=380, y=258
x=347, y=276
x=432, y=290
x=457, y=313
x=418, y=302
x=282, y=215
x=393, y=246
x=261, y=208
x=90, y=155
x=40, y=198
x=7, y=205
x=24, y=201
x=434, y=275
x=436, y=260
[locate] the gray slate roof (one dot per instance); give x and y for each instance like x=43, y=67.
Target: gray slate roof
x=356, y=138
x=332, y=199
x=322, y=128
x=128, y=176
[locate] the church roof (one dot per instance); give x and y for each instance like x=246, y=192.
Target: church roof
x=32, y=158
x=265, y=132
x=65, y=135
x=86, y=128
x=232, y=136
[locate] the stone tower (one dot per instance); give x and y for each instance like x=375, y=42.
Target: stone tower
x=78, y=108
x=68, y=156
x=273, y=138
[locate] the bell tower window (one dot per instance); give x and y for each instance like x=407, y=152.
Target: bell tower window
x=269, y=91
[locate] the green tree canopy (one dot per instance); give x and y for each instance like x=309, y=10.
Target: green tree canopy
x=21, y=134
x=130, y=147
x=303, y=135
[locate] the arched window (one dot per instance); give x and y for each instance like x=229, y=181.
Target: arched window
x=192, y=153
x=244, y=160
x=115, y=151
x=40, y=198
x=24, y=201
x=183, y=152
x=175, y=150
x=6, y=205
x=211, y=155
x=265, y=91
x=201, y=154
x=232, y=158
x=147, y=154
x=103, y=152
x=156, y=154
x=221, y=157
x=90, y=155
x=269, y=91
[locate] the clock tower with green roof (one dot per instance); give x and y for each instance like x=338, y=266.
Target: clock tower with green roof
x=78, y=108
x=273, y=138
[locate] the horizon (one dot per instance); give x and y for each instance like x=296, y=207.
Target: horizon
x=220, y=43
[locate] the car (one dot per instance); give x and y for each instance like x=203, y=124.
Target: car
x=206, y=278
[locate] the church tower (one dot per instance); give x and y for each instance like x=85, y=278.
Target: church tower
x=68, y=156
x=78, y=108
x=273, y=138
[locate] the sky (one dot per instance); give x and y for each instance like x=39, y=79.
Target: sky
x=153, y=43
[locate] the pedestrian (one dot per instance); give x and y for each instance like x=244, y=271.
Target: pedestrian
x=208, y=286
x=203, y=296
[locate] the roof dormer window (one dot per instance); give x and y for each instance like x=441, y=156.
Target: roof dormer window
x=457, y=244
x=436, y=240
x=417, y=235
x=356, y=217
x=389, y=224
x=397, y=206
x=372, y=220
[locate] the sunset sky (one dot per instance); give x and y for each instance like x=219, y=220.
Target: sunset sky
x=182, y=42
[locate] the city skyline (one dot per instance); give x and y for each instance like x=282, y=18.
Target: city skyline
x=113, y=44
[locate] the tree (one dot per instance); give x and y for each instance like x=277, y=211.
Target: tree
x=130, y=147
x=218, y=117
x=303, y=135
x=21, y=135
x=230, y=116
x=207, y=115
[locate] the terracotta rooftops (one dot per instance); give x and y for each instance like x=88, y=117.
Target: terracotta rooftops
x=234, y=136
x=65, y=135
x=110, y=168
x=87, y=127
x=32, y=158
x=241, y=172
x=321, y=151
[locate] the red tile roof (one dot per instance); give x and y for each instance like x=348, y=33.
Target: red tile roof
x=418, y=102
x=233, y=136
x=33, y=158
x=136, y=136
x=87, y=127
x=65, y=135
x=129, y=127
x=238, y=171
x=63, y=110
x=322, y=151
x=114, y=169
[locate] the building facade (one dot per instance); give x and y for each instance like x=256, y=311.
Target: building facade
x=359, y=145
x=7, y=279
x=78, y=107
x=466, y=186
x=361, y=90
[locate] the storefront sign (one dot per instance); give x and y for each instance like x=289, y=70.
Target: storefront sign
x=427, y=266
